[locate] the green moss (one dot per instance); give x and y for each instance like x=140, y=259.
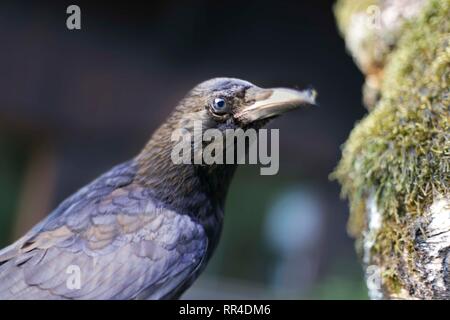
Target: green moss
x=392, y=281
x=401, y=150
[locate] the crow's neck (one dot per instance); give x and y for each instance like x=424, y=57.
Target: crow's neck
x=196, y=190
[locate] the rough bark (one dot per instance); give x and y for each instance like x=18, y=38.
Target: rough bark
x=395, y=165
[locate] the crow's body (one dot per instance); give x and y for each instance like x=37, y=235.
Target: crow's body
x=125, y=243
x=143, y=230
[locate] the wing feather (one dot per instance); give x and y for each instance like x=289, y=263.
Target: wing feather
x=123, y=244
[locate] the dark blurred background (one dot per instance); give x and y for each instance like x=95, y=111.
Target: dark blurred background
x=73, y=103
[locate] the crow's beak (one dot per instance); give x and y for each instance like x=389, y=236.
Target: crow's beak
x=273, y=102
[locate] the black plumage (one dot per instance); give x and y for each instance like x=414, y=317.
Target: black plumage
x=146, y=228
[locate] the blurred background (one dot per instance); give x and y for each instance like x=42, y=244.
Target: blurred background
x=73, y=103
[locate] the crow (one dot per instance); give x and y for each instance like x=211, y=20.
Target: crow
x=147, y=228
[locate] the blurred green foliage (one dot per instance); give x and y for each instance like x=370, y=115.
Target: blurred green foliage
x=243, y=252
x=343, y=282
x=12, y=162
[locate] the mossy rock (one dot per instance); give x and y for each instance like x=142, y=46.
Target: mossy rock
x=400, y=152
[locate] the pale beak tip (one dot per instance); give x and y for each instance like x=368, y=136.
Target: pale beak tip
x=311, y=96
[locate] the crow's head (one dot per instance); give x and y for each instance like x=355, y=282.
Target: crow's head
x=228, y=103
x=219, y=104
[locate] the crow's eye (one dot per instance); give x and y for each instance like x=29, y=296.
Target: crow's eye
x=219, y=105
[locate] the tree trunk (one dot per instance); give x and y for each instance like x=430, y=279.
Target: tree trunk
x=395, y=166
